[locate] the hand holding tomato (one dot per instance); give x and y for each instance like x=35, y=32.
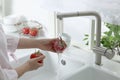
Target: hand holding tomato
x=59, y=45
x=35, y=55
x=34, y=62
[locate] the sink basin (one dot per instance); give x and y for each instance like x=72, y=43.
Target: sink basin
x=93, y=73
x=67, y=66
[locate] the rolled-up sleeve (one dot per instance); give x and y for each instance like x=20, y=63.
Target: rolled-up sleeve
x=12, y=43
x=8, y=74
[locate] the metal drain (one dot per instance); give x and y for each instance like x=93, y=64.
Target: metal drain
x=63, y=62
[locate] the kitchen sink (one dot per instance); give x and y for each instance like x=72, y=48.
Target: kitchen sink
x=67, y=66
x=93, y=73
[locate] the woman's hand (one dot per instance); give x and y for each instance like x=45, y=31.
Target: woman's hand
x=30, y=65
x=33, y=63
x=49, y=44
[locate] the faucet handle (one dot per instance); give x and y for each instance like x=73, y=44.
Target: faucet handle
x=104, y=51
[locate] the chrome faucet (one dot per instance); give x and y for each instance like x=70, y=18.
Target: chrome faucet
x=97, y=49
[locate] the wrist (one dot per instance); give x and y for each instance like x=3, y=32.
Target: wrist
x=22, y=69
x=27, y=66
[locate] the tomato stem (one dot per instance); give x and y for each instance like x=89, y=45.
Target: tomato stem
x=38, y=52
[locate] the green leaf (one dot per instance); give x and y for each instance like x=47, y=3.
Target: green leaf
x=85, y=39
x=86, y=35
x=87, y=43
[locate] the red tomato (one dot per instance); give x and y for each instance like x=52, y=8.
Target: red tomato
x=33, y=31
x=58, y=47
x=36, y=54
x=25, y=30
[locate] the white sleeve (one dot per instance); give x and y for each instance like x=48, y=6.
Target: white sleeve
x=12, y=43
x=8, y=74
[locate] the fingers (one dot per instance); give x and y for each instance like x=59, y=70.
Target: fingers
x=39, y=58
x=59, y=45
x=39, y=64
x=34, y=62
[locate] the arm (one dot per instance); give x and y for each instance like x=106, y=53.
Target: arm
x=28, y=43
x=14, y=74
x=22, y=43
x=44, y=44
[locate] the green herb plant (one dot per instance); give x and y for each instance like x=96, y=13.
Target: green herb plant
x=110, y=38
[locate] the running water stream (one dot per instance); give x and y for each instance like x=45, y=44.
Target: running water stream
x=63, y=44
